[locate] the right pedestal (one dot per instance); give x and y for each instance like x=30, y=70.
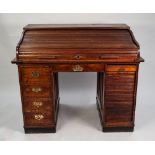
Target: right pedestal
x=116, y=96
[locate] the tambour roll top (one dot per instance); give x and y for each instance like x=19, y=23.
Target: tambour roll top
x=56, y=43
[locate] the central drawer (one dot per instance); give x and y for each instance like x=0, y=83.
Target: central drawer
x=78, y=67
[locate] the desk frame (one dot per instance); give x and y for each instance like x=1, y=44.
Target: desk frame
x=117, y=112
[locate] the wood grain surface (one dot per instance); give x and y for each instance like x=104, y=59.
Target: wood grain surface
x=111, y=50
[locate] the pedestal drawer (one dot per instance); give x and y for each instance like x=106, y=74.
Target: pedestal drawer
x=38, y=105
x=31, y=74
x=36, y=90
x=121, y=68
x=38, y=119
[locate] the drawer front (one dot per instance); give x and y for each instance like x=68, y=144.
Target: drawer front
x=37, y=105
x=78, y=68
x=36, y=91
x=121, y=68
x=38, y=119
x=34, y=74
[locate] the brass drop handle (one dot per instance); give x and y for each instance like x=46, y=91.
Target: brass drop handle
x=35, y=74
x=37, y=104
x=38, y=117
x=77, y=68
x=36, y=90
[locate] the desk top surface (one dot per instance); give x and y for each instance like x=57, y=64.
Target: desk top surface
x=76, y=26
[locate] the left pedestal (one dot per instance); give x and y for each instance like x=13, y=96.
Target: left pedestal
x=40, y=98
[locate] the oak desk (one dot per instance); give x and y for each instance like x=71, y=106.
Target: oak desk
x=109, y=50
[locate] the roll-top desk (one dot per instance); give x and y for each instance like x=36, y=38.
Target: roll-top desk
x=109, y=50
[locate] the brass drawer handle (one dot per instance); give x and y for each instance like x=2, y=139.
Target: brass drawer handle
x=37, y=104
x=35, y=74
x=36, y=90
x=77, y=68
x=38, y=117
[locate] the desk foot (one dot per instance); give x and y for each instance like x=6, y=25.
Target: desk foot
x=118, y=129
x=40, y=130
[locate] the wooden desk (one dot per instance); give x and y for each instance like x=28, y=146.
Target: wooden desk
x=109, y=50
